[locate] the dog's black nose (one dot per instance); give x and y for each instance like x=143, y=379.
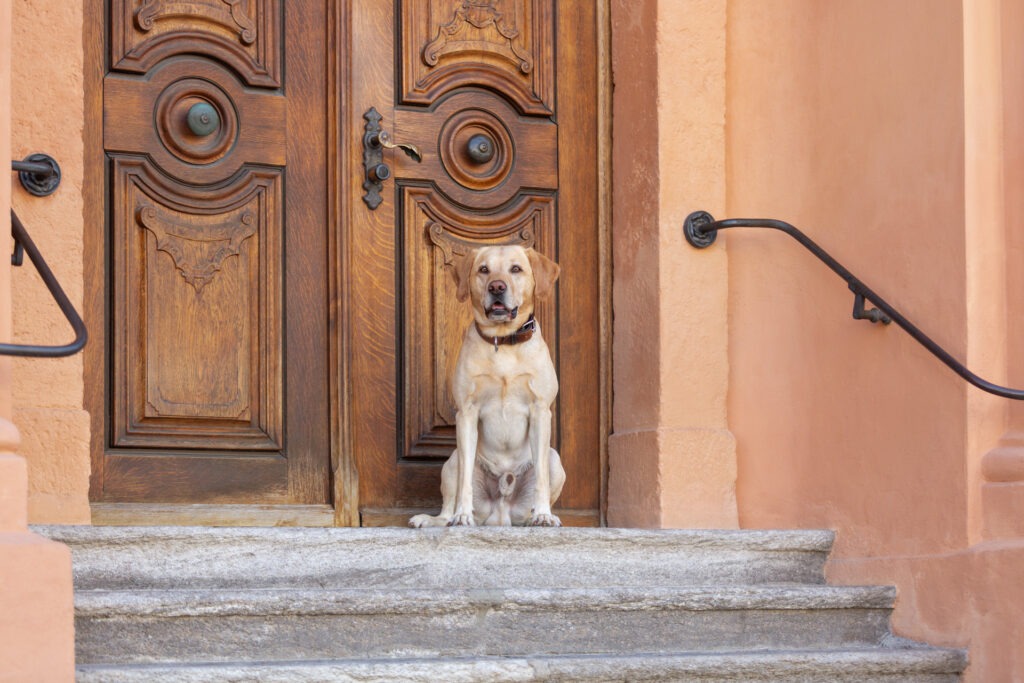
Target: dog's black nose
x=496, y=287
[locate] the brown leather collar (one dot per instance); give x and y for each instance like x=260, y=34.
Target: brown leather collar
x=524, y=333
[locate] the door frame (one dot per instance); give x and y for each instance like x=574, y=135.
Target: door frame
x=342, y=114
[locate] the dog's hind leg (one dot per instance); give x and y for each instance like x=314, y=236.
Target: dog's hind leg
x=523, y=498
x=449, y=484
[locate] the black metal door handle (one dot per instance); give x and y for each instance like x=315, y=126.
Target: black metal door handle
x=375, y=141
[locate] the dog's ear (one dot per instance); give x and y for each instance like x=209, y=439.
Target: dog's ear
x=545, y=272
x=461, y=266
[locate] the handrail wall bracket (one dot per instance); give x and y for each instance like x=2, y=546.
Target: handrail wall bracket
x=40, y=175
x=694, y=229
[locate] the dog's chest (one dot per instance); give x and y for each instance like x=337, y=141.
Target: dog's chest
x=505, y=379
x=504, y=400
x=501, y=377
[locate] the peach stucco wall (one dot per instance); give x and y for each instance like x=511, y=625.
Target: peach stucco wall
x=886, y=130
x=36, y=621
x=47, y=116
x=851, y=126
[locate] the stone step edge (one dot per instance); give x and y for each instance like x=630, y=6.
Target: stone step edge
x=161, y=603
x=476, y=538
x=760, y=666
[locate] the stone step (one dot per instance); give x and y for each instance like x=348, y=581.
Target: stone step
x=214, y=625
x=183, y=557
x=878, y=665
x=250, y=604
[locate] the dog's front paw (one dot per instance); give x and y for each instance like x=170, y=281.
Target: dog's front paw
x=462, y=519
x=545, y=519
x=420, y=521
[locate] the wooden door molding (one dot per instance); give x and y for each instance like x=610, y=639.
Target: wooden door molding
x=465, y=68
x=515, y=62
x=509, y=47
x=208, y=271
x=342, y=116
x=144, y=36
x=427, y=418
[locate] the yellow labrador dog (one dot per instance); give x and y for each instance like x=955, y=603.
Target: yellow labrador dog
x=503, y=470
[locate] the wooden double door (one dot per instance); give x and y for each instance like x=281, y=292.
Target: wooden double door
x=279, y=326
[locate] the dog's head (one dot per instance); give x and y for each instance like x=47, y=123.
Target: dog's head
x=502, y=283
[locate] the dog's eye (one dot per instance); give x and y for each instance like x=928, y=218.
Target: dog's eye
x=516, y=269
x=484, y=270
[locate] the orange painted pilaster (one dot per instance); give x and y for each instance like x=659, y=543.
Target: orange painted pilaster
x=1002, y=467
x=36, y=610
x=984, y=241
x=672, y=459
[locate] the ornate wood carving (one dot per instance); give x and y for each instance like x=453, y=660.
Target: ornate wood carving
x=451, y=246
x=216, y=11
x=433, y=321
x=197, y=311
x=523, y=147
x=170, y=121
x=458, y=35
x=208, y=387
x=504, y=45
x=198, y=252
x=151, y=115
x=246, y=34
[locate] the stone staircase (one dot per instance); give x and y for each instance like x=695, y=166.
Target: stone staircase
x=244, y=604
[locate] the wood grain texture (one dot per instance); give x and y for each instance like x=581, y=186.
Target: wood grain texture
x=371, y=267
x=245, y=34
x=470, y=69
x=434, y=231
x=165, y=97
x=340, y=165
x=503, y=46
x=579, y=290
x=154, y=514
x=216, y=376
x=197, y=311
x=345, y=372
x=94, y=256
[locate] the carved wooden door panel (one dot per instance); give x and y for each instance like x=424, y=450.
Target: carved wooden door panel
x=500, y=97
x=215, y=135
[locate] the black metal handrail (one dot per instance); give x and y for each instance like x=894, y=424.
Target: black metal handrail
x=701, y=229
x=21, y=237
x=40, y=175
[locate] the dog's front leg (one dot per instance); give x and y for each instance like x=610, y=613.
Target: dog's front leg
x=466, y=425
x=540, y=449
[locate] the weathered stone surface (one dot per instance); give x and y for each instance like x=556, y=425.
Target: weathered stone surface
x=354, y=602
x=176, y=557
x=830, y=666
x=203, y=604
x=147, y=626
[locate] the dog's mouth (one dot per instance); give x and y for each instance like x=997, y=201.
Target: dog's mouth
x=501, y=313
